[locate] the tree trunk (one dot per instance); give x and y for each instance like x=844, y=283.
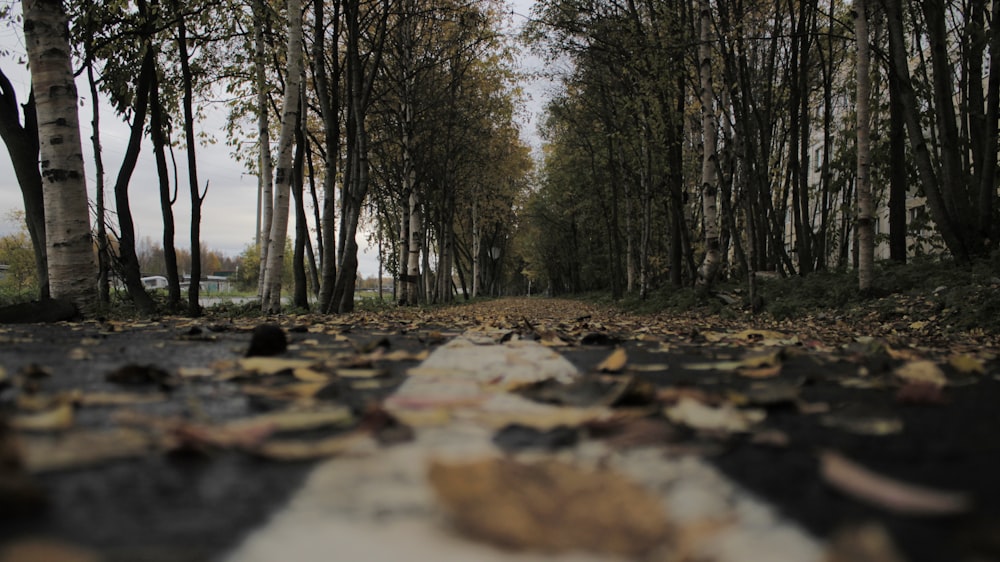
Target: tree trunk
x=71, y=264
x=709, y=165
x=103, y=246
x=156, y=133
x=128, y=263
x=866, y=208
x=265, y=178
x=329, y=105
x=22, y=145
x=194, y=287
x=897, y=174
x=271, y=297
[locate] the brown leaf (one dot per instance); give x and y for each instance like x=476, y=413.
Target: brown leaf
x=864, y=543
x=694, y=414
x=47, y=550
x=887, y=493
x=551, y=506
x=57, y=419
x=301, y=450
x=79, y=449
x=615, y=362
x=922, y=371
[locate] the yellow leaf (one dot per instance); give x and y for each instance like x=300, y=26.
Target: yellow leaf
x=966, y=364
x=299, y=450
x=294, y=420
x=306, y=374
x=194, y=372
x=58, y=419
x=77, y=449
x=272, y=365
x=919, y=325
x=615, y=362
x=922, y=371
x=693, y=413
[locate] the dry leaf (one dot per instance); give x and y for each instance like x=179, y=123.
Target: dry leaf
x=891, y=495
x=194, y=372
x=294, y=420
x=693, y=413
x=117, y=398
x=47, y=550
x=922, y=371
x=301, y=450
x=57, y=419
x=615, y=362
x=864, y=543
x=79, y=449
x=361, y=373
x=551, y=506
x=306, y=374
x=272, y=365
x=967, y=365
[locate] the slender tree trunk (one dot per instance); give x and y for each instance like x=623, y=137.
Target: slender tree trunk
x=127, y=260
x=866, y=208
x=71, y=264
x=709, y=164
x=897, y=174
x=22, y=145
x=271, y=298
x=194, y=287
x=329, y=104
x=103, y=247
x=265, y=179
x=156, y=133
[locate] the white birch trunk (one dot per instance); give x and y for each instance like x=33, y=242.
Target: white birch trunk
x=72, y=266
x=709, y=171
x=866, y=210
x=265, y=194
x=271, y=297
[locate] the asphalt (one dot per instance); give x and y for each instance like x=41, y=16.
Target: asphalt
x=222, y=503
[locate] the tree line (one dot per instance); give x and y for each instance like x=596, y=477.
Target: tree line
x=398, y=116
x=693, y=138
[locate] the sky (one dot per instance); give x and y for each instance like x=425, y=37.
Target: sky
x=229, y=210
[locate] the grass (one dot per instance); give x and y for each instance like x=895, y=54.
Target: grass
x=958, y=296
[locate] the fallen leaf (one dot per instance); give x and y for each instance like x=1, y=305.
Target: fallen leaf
x=59, y=418
x=760, y=372
x=117, y=398
x=887, y=493
x=694, y=414
x=306, y=374
x=294, y=420
x=863, y=423
x=49, y=550
x=967, y=365
x=863, y=543
x=79, y=449
x=615, y=362
x=361, y=373
x=272, y=365
x=551, y=506
x=195, y=372
x=302, y=450
x=922, y=371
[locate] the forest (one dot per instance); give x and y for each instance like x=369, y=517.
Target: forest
x=684, y=142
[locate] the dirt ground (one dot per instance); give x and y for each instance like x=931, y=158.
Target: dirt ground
x=918, y=416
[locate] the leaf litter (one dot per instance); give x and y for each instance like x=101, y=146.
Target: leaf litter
x=303, y=387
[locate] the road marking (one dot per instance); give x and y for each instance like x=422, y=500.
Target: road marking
x=376, y=504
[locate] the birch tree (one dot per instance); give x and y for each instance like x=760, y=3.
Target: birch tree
x=271, y=294
x=866, y=210
x=709, y=166
x=72, y=267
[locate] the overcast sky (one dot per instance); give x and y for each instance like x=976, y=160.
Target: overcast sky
x=228, y=212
